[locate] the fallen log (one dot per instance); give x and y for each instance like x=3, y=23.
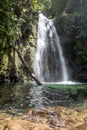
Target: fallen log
x=26, y=66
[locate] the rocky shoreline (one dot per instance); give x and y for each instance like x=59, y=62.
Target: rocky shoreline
x=50, y=118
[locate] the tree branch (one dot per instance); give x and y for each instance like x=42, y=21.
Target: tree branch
x=26, y=66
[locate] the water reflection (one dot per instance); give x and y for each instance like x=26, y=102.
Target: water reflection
x=30, y=95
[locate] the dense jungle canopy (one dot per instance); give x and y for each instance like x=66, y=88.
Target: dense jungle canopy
x=18, y=29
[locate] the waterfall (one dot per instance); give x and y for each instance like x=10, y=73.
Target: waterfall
x=49, y=63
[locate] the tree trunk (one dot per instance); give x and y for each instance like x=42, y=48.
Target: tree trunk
x=26, y=66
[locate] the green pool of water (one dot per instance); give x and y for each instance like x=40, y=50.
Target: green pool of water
x=60, y=86
x=24, y=96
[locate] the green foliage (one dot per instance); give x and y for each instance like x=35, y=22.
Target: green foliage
x=67, y=7
x=81, y=27
x=81, y=53
x=59, y=6
x=74, y=24
x=7, y=23
x=41, y=5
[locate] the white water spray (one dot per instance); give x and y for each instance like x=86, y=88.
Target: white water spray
x=49, y=63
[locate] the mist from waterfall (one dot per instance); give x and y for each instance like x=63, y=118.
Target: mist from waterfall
x=49, y=65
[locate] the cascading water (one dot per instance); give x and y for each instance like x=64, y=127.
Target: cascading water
x=49, y=63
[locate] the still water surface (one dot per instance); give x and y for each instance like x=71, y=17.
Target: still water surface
x=25, y=96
